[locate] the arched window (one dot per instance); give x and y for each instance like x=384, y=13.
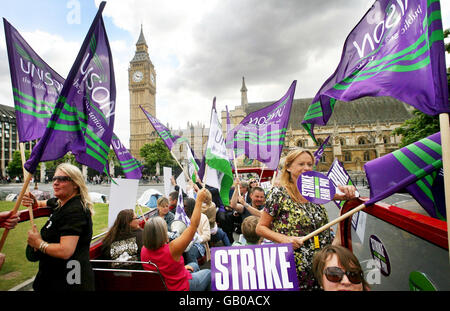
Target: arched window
x=385, y=140
x=300, y=143
x=362, y=141
x=367, y=156
x=342, y=141
x=347, y=157
x=323, y=158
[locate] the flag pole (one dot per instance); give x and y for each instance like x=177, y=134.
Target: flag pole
x=273, y=177
x=445, y=143
x=204, y=176
x=332, y=223
x=262, y=171
x=16, y=206
x=185, y=174
x=25, y=173
x=236, y=172
x=142, y=213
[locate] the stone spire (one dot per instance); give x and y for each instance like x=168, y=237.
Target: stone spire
x=244, y=100
x=141, y=40
x=141, y=49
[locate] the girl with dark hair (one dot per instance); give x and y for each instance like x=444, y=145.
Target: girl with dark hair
x=123, y=241
x=336, y=268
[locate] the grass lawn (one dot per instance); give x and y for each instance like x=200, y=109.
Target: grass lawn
x=17, y=268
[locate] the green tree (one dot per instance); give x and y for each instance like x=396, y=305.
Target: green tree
x=50, y=166
x=15, y=165
x=420, y=126
x=154, y=153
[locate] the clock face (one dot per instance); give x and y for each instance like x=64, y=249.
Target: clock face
x=138, y=76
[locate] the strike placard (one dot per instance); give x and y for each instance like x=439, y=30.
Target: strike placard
x=339, y=177
x=316, y=187
x=269, y=267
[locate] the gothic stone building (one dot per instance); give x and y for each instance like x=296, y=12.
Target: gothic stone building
x=9, y=138
x=361, y=130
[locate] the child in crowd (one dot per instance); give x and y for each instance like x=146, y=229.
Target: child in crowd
x=249, y=236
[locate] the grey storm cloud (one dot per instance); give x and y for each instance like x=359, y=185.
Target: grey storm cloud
x=261, y=40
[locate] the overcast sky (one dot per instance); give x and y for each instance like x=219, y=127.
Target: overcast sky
x=200, y=49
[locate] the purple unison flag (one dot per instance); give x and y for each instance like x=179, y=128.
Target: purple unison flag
x=415, y=168
x=202, y=167
x=261, y=133
x=36, y=86
x=130, y=166
x=83, y=119
x=396, y=50
x=180, y=214
x=319, y=152
x=162, y=131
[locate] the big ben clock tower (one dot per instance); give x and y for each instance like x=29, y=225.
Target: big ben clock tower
x=142, y=87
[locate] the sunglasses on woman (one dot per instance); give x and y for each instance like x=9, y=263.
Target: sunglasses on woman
x=336, y=274
x=61, y=178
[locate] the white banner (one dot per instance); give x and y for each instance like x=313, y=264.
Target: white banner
x=121, y=196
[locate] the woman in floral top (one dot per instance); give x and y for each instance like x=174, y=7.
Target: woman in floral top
x=288, y=216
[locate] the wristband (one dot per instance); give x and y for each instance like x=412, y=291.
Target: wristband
x=43, y=246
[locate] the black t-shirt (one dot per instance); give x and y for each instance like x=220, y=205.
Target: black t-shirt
x=74, y=273
x=127, y=246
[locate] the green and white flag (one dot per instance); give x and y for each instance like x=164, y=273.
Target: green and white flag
x=192, y=165
x=218, y=173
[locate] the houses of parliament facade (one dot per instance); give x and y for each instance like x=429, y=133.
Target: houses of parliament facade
x=360, y=130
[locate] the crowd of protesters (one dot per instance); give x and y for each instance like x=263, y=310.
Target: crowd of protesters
x=256, y=216
x=253, y=216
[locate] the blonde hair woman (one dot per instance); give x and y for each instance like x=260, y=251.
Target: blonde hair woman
x=65, y=238
x=78, y=179
x=288, y=216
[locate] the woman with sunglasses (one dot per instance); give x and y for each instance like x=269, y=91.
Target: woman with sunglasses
x=62, y=246
x=123, y=242
x=337, y=269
